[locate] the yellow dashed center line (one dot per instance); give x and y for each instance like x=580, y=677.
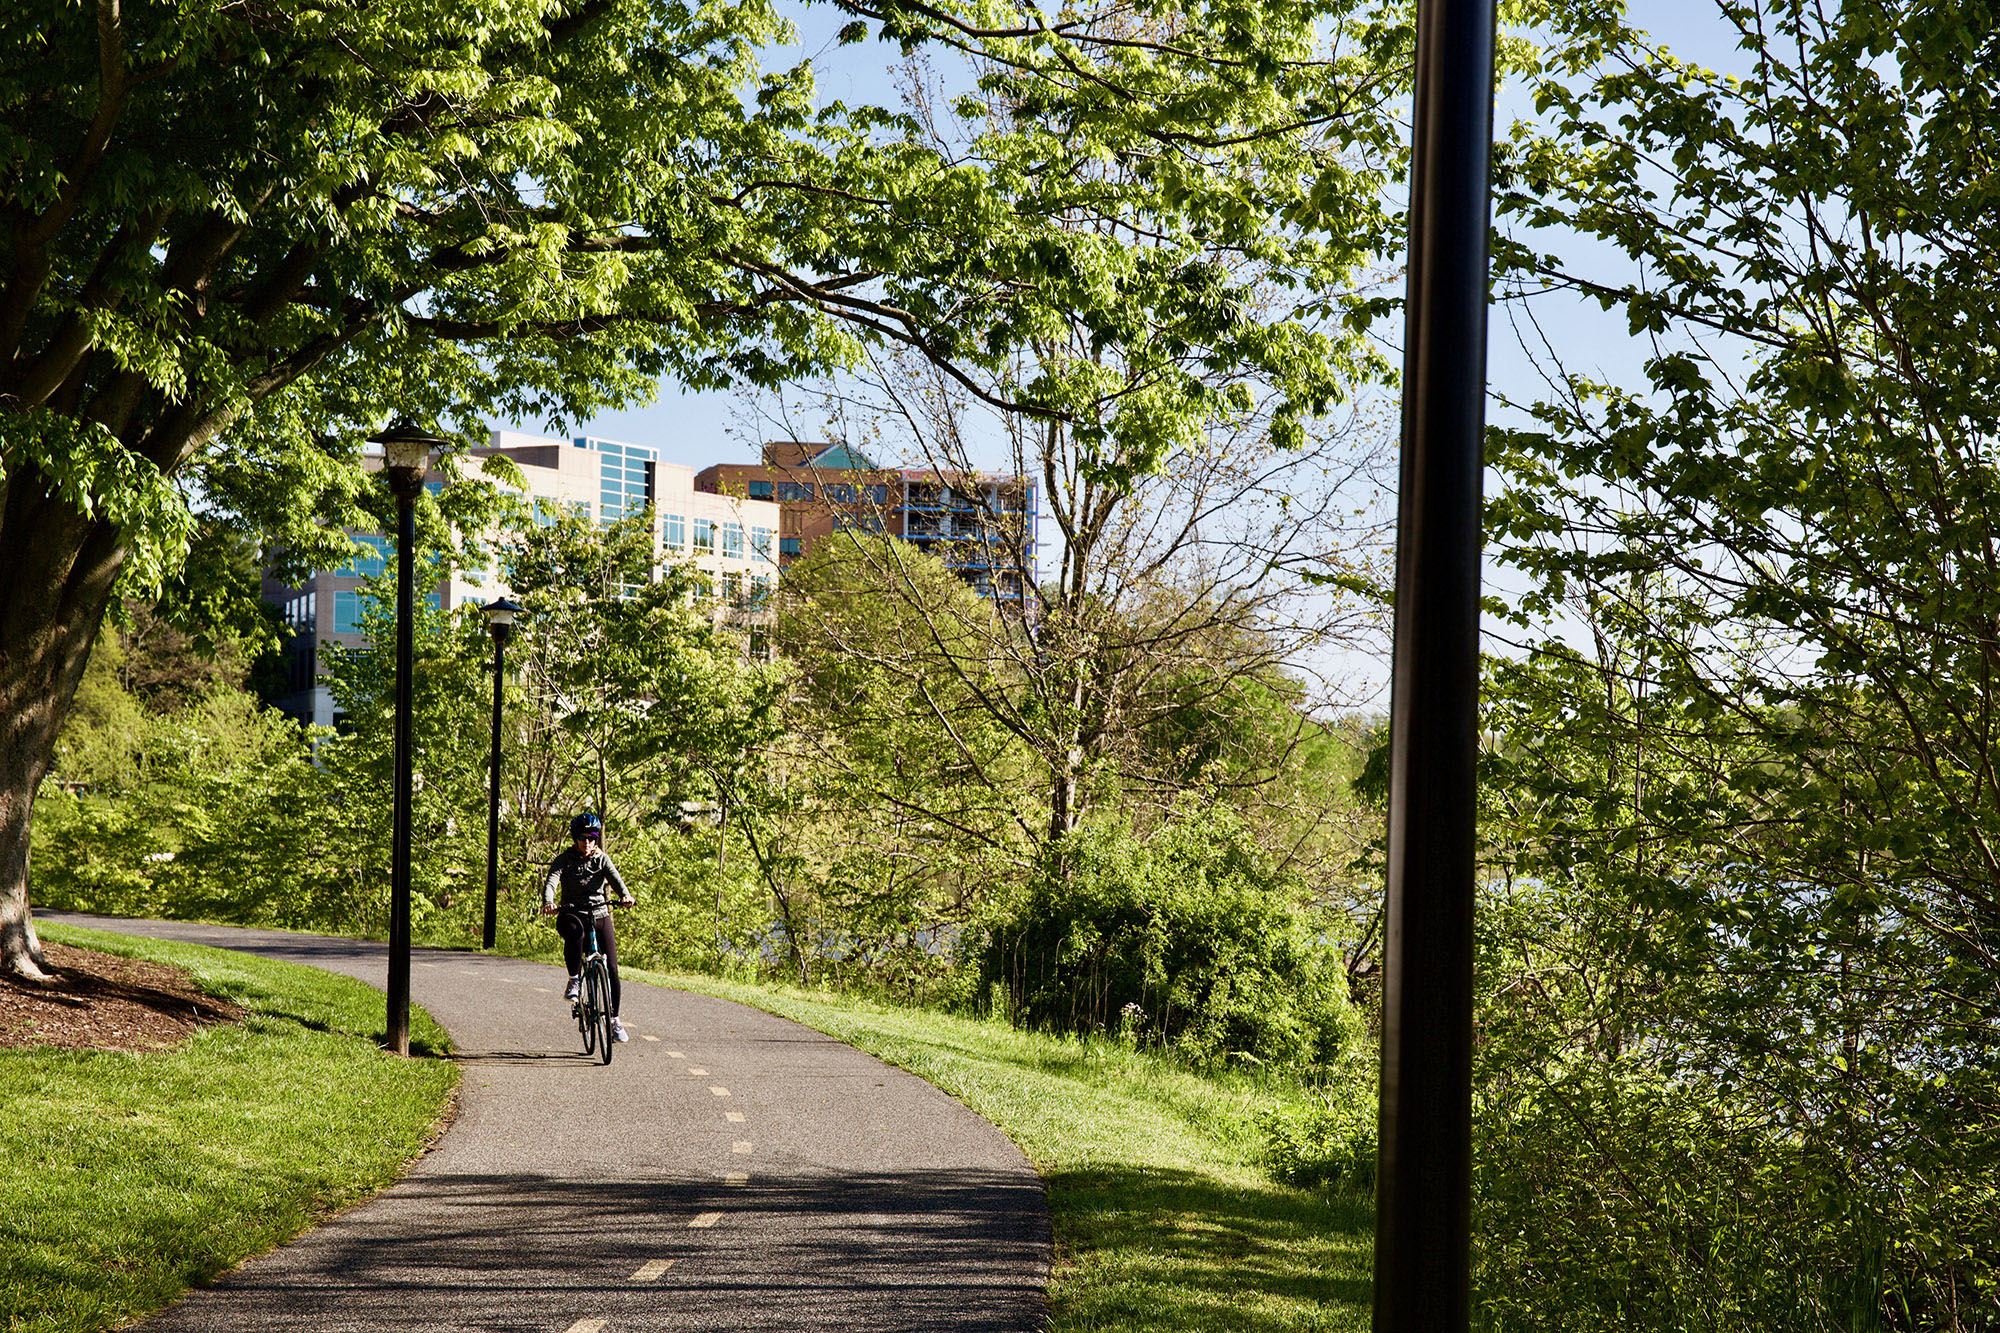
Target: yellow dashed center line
x=736, y=1178
x=706, y=1220
x=586, y=1326
x=733, y=1117
x=675, y=1055
x=652, y=1269
x=740, y=1146
x=720, y=1092
x=647, y=1036
x=698, y=1073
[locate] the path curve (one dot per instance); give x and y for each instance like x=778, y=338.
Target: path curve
x=729, y=1170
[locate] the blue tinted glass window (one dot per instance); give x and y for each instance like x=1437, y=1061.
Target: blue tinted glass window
x=760, y=490
x=791, y=546
x=372, y=561
x=760, y=543
x=704, y=535
x=673, y=531
x=732, y=540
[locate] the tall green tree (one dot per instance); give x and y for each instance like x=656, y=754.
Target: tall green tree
x=233, y=239
x=635, y=690
x=1751, y=793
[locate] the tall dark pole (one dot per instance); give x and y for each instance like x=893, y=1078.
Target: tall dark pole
x=493, y=803
x=406, y=455
x=500, y=623
x=407, y=482
x=1423, y=1218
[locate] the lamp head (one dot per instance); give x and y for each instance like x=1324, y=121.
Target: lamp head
x=500, y=615
x=406, y=453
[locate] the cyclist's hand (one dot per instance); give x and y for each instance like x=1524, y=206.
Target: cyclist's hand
x=627, y=900
x=548, y=909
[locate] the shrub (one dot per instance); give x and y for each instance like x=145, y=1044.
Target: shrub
x=1190, y=938
x=1329, y=1141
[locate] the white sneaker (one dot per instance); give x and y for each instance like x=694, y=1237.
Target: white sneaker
x=618, y=1030
x=574, y=989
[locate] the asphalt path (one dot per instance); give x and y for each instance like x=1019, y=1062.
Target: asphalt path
x=729, y=1170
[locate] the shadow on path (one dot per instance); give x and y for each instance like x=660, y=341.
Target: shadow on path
x=892, y=1251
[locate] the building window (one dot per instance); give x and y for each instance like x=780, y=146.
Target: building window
x=548, y=511
x=704, y=536
x=760, y=589
x=790, y=546
x=351, y=604
x=732, y=587
x=300, y=611
x=877, y=495
x=839, y=493
x=794, y=490
x=760, y=490
x=673, y=531
x=732, y=541
x=372, y=561
x=760, y=544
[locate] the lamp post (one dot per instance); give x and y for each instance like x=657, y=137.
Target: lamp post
x=406, y=453
x=1424, y=1190
x=500, y=615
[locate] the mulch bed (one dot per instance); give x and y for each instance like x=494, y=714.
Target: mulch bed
x=101, y=1002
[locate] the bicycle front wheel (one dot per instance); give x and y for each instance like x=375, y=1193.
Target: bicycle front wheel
x=599, y=984
x=586, y=1019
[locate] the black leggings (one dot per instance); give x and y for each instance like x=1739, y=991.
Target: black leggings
x=571, y=924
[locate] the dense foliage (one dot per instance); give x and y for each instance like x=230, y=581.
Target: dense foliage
x=751, y=847
x=1189, y=937
x=235, y=239
x=1741, y=1067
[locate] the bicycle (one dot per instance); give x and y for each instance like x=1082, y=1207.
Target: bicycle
x=592, y=1007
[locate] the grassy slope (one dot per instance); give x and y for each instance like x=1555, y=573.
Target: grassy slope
x=1163, y=1219
x=125, y=1178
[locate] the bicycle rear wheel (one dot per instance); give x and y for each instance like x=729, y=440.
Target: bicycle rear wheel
x=598, y=983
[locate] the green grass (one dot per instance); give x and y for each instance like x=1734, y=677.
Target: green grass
x=1164, y=1218
x=126, y=1178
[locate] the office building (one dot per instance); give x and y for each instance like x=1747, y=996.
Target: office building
x=983, y=525
x=732, y=539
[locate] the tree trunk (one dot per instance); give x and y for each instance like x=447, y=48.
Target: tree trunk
x=61, y=566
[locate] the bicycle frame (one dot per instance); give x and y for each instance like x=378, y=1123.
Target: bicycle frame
x=592, y=1008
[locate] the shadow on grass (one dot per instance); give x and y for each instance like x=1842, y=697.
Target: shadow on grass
x=1150, y=1248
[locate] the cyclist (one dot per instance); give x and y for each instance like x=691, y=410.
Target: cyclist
x=584, y=878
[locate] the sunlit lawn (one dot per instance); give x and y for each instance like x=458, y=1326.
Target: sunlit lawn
x=126, y=1178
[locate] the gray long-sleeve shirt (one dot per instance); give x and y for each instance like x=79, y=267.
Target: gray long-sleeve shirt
x=586, y=883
